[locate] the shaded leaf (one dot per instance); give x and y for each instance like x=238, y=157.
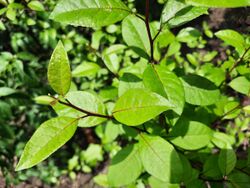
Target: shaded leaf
x=190, y=135
x=160, y=159
x=125, y=167
x=227, y=161
x=199, y=90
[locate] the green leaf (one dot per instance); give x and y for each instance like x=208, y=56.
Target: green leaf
x=199, y=90
x=220, y=3
x=227, y=161
x=171, y=8
x=50, y=136
x=166, y=84
x=186, y=15
x=36, y=5
x=125, y=167
x=137, y=106
x=59, y=74
x=190, y=135
x=110, y=57
x=86, y=101
x=86, y=69
x=160, y=159
x=89, y=13
x=241, y=85
x=156, y=183
x=232, y=38
x=129, y=81
x=5, y=91
x=46, y=100
x=239, y=179
x=211, y=168
x=222, y=140
x=135, y=35
x=176, y=13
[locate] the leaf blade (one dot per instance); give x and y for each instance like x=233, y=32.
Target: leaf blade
x=59, y=74
x=90, y=13
x=52, y=134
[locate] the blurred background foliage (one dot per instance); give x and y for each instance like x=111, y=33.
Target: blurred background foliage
x=27, y=38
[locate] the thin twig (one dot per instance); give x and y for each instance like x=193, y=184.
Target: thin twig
x=239, y=61
x=88, y=113
x=149, y=32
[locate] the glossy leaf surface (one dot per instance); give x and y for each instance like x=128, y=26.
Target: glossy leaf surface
x=137, y=106
x=59, y=74
x=166, y=84
x=50, y=136
x=221, y=3
x=89, y=13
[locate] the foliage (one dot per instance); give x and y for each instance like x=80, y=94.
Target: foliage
x=164, y=117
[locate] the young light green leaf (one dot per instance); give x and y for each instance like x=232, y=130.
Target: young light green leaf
x=5, y=91
x=160, y=159
x=110, y=57
x=190, y=135
x=86, y=69
x=222, y=140
x=199, y=90
x=232, y=38
x=50, y=136
x=241, y=85
x=166, y=84
x=137, y=106
x=45, y=100
x=134, y=33
x=227, y=161
x=59, y=74
x=89, y=13
x=36, y=5
x=156, y=183
x=220, y=3
x=125, y=167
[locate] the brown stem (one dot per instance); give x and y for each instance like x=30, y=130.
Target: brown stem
x=239, y=61
x=149, y=33
x=88, y=113
x=234, y=66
